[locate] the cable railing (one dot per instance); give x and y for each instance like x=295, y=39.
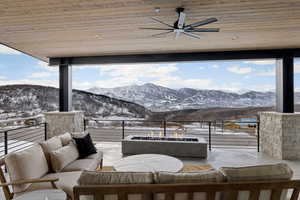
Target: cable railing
x=19, y=138
x=220, y=133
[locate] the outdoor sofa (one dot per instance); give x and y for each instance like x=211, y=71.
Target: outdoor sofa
x=54, y=163
x=264, y=182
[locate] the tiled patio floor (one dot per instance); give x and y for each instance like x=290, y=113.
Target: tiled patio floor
x=218, y=157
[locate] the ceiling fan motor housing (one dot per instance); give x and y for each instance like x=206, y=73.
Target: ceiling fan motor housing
x=180, y=22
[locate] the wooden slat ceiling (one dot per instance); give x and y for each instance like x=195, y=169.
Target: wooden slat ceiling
x=65, y=28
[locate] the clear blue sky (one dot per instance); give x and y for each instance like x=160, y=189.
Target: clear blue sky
x=18, y=68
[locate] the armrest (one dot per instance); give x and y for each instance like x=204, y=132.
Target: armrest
x=52, y=180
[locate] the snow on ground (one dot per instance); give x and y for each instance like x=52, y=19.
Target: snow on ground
x=15, y=145
x=117, y=118
x=138, y=126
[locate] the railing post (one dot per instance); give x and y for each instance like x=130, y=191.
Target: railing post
x=165, y=128
x=123, y=129
x=258, y=137
x=5, y=143
x=222, y=126
x=209, y=136
x=45, y=131
x=5, y=147
x=84, y=124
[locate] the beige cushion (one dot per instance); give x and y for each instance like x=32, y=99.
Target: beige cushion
x=99, y=178
x=65, y=138
x=60, y=158
x=26, y=164
x=211, y=175
x=82, y=164
x=67, y=180
x=50, y=145
x=203, y=176
x=279, y=171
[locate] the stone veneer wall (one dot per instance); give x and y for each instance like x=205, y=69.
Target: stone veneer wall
x=280, y=135
x=60, y=122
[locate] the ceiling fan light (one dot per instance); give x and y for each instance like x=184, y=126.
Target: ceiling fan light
x=157, y=9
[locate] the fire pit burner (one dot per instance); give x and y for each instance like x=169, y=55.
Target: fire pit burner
x=164, y=138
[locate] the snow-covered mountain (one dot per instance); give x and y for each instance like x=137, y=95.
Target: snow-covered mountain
x=37, y=99
x=158, y=98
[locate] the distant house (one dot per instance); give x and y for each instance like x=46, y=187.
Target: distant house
x=247, y=122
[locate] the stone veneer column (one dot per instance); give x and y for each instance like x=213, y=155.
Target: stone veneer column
x=60, y=122
x=280, y=135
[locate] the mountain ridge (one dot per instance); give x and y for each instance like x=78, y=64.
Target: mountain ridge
x=37, y=99
x=159, y=98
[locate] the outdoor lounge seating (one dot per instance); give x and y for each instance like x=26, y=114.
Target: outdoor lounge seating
x=255, y=182
x=80, y=179
x=189, y=191
x=38, y=168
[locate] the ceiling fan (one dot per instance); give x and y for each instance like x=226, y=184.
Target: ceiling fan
x=180, y=27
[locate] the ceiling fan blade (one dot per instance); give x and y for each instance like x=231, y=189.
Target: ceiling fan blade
x=181, y=20
x=157, y=20
x=161, y=34
x=161, y=29
x=200, y=23
x=203, y=30
x=191, y=35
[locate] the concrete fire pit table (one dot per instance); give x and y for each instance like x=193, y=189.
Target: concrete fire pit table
x=195, y=147
x=148, y=163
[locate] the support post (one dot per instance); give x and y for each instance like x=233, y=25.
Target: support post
x=65, y=86
x=285, y=84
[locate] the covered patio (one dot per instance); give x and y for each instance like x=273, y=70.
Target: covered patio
x=100, y=32
x=67, y=33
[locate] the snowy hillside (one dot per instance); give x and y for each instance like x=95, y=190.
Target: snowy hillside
x=158, y=98
x=36, y=99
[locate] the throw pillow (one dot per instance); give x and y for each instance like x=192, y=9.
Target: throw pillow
x=65, y=138
x=50, y=145
x=85, y=146
x=60, y=158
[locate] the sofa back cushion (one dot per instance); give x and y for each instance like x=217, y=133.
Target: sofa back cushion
x=103, y=178
x=60, y=158
x=100, y=178
x=210, y=175
x=30, y=163
x=50, y=145
x=203, y=176
x=279, y=171
x=65, y=138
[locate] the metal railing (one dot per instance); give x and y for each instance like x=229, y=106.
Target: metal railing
x=16, y=139
x=109, y=130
